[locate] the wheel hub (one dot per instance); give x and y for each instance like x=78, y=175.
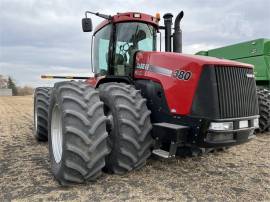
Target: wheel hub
x=109, y=123
x=56, y=134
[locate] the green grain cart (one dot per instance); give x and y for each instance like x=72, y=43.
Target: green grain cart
x=257, y=53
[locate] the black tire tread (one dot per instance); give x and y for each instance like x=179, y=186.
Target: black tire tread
x=134, y=147
x=264, y=108
x=85, y=131
x=41, y=105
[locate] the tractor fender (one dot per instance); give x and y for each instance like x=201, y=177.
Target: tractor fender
x=96, y=81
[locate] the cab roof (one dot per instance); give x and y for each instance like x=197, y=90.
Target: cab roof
x=129, y=17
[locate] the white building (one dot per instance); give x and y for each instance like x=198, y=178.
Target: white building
x=5, y=92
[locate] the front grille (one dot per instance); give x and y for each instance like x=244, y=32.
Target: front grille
x=236, y=92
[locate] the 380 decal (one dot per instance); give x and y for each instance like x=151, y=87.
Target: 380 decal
x=182, y=75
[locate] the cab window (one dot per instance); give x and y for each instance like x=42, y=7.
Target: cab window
x=101, y=50
x=130, y=38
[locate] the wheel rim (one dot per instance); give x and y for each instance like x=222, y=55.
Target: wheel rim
x=56, y=134
x=35, y=119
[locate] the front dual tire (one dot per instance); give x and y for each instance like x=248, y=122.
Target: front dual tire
x=129, y=127
x=84, y=141
x=77, y=133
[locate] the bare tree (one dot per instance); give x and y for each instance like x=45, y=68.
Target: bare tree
x=3, y=82
x=26, y=90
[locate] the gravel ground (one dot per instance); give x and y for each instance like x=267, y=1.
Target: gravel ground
x=241, y=173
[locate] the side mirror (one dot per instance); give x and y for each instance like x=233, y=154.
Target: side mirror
x=87, y=24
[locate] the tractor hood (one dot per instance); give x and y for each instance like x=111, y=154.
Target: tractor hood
x=174, y=61
x=179, y=75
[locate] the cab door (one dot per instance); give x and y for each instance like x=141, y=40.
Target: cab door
x=101, y=51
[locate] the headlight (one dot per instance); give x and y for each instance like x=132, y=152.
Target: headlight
x=221, y=126
x=256, y=123
x=243, y=124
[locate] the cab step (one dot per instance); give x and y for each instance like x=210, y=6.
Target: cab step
x=174, y=134
x=161, y=153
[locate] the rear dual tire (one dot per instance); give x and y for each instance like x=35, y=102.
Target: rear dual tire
x=41, y=112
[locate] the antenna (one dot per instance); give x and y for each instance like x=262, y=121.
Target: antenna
x=108, y=17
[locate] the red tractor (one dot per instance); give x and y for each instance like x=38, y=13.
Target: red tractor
x=142, y=101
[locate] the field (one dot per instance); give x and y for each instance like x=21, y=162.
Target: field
x=241, y=173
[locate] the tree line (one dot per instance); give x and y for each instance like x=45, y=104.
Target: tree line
x=16, y=90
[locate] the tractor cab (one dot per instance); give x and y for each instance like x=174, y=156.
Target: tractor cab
x=116, y=40
x=130, y=37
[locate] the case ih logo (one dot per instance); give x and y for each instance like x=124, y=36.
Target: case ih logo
x=250, y=76
x=155, y=69
x=142, y=66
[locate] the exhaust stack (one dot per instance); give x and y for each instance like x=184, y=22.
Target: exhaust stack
x=177, y=35
x=168, y=31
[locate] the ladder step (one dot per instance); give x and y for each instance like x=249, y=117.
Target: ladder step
x=171, y=126
x=161, y=153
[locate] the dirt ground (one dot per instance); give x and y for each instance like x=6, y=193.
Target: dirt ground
x=241, y=173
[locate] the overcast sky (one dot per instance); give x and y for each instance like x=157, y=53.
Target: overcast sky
x=45, y=37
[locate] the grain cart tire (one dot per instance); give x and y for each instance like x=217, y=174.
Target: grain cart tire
x=129, y=127
x=41, y=112
x=264, y=109
x=77, y=133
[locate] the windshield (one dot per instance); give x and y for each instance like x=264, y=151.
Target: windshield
x=130, y=38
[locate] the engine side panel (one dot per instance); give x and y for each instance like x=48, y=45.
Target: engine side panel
x=165, y=69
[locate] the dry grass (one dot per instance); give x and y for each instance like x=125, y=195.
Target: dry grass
x=241, y=173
